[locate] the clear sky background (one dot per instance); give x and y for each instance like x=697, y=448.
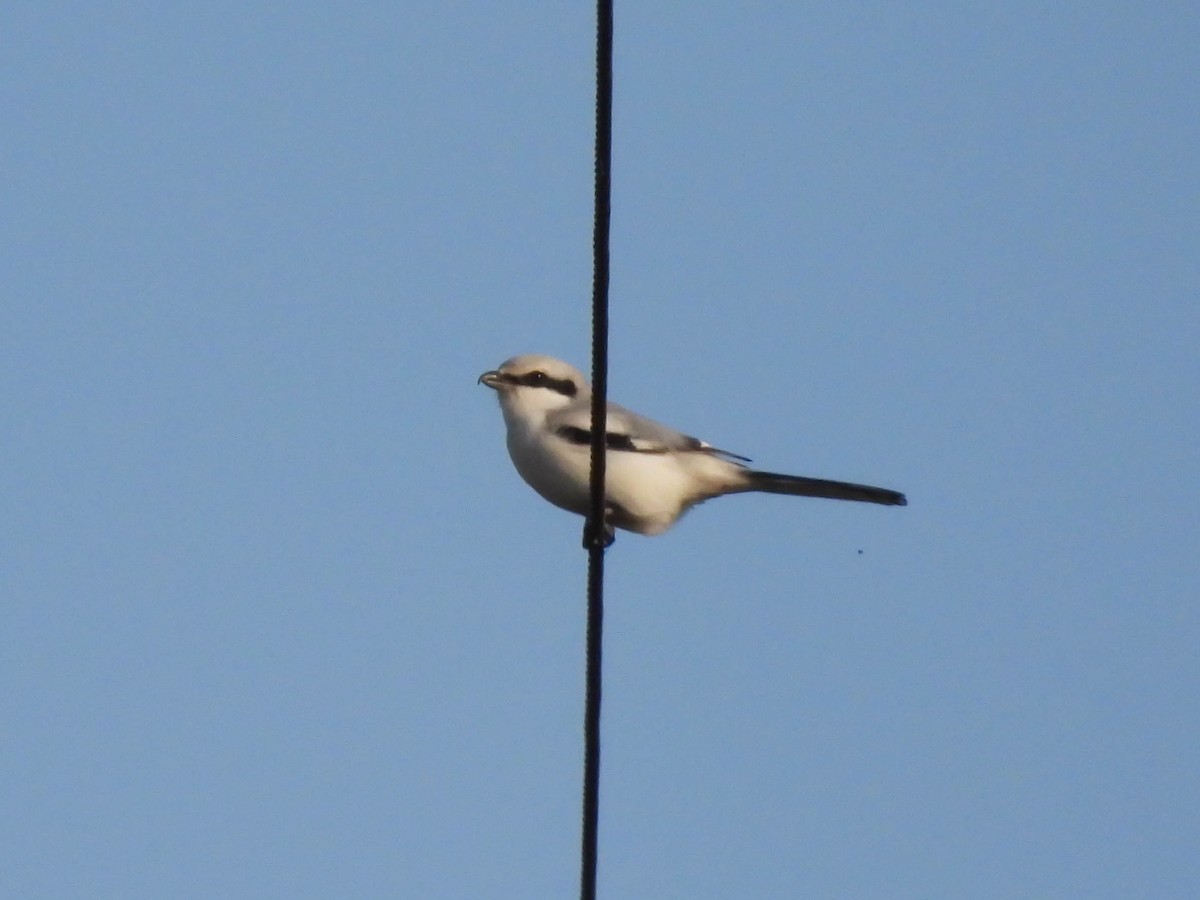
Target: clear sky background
x=279, y=619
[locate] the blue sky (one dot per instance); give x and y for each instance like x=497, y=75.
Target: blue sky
x=280, y=619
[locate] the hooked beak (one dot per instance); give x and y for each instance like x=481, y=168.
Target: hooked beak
x=493, y=379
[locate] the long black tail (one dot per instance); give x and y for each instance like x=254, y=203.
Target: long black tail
x=773, y=483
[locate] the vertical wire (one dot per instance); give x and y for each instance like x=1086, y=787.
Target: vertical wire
x=594, y=532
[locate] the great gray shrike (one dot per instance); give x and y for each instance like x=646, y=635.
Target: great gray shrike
x=653, y=474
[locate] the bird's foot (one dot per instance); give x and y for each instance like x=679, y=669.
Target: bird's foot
x=604, y=539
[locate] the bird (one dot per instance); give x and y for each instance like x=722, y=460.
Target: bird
x=653, y=473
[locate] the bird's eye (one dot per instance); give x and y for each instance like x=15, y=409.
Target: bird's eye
x=536, y=379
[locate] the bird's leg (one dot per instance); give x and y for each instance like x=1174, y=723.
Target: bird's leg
x=605, y=539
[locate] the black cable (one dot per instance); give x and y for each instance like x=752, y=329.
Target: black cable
x=595, y=533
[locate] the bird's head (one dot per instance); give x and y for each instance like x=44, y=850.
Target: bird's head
x=532, y=386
